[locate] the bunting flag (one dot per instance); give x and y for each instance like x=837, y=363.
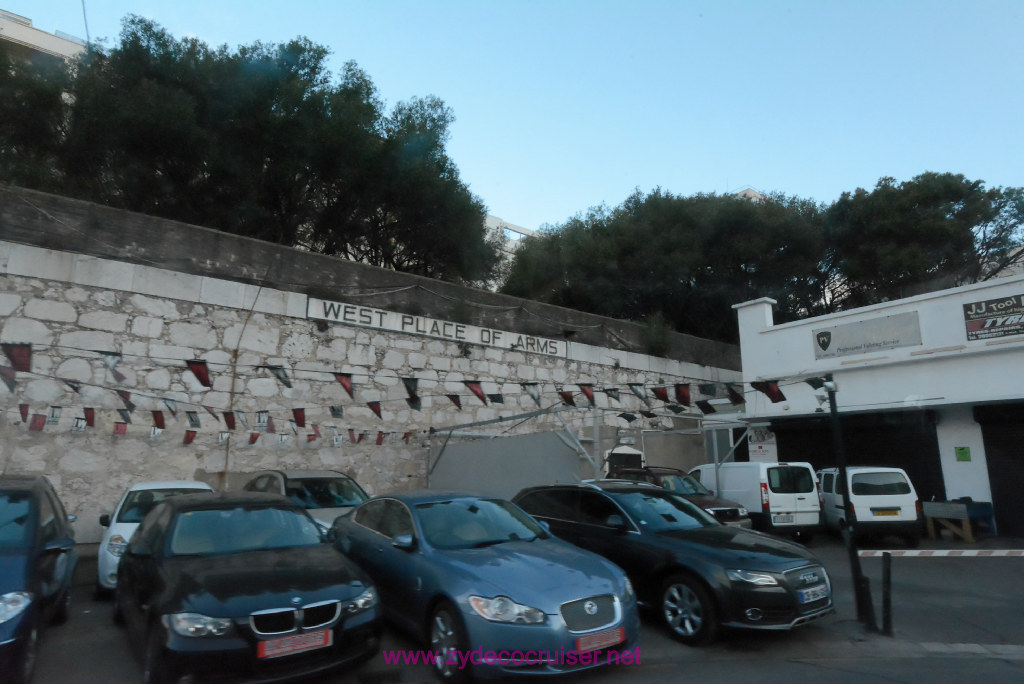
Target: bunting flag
x=126, y=415
x=414, y=403
x=172, y=406
x=533, y=390
x=613, y=393
x=380, y=438
x=54, y=417
x=75, y=386
x=242, y=419
x=310, y=438
x=20, y=356
x=90, y=417
x=253, y=436
x=455, y=400
x=201, y=371
x=705, y=406
x=683, y=394
x=270, y=424
x=294, y=427
x=155, y=432
x=648, y=414
x=229, y=420
x=193, y=419
x=406, y=436
x=212, y=413
x=300, y=416
x=588, y=392
x=223, y=437
x=346, y=381
x=770, y=388
x=337, y=412
x=110, y=360
x=708, y=389
x=496, y=398
x=23, y=409
x=675, y=408
x=120, y=428
x=316, y=430
x=734, y=396
x=476, y=389
x=661, y=393
x=362, y=436
x=190, y=436
x=638, y=390
x=126, y=397
x=281, y=374
x=158, y=419
x=375, y=407
x=37, y=422
x=628, y=417
x=7, y=374
x=411, y=385
x=78, y=426
x=567, y=398
x=352, y=435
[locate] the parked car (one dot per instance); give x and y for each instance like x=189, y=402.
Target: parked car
x=698, y=574
x=675, y=480
x=884, y=502
x=241, y=586
x=782, y=498
x=326, y=494
x=465, y=573
x=129, y=512
x=37, y=568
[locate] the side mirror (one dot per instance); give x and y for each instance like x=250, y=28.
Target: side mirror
x=616, y=522
x=105, y=520
x=58, y=545
x=405, y=542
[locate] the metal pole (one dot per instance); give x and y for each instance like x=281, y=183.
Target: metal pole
x=861, y=586
x=887, y=594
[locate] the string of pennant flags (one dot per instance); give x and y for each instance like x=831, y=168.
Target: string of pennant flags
x=675, y=397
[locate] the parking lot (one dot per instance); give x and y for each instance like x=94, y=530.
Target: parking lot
x=954, y=619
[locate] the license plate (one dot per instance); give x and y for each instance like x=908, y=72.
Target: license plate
x=604, y=639
x=783, y=519
x=885, y=511
x=813, y=594
x=297, y=643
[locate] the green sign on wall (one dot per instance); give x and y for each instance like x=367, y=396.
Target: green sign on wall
x=963, y=453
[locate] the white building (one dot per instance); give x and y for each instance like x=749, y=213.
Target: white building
x=24, y=41
x=933, y=384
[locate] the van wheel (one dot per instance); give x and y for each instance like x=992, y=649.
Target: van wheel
x=688, y=611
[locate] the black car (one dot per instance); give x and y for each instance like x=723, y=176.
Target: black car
x=37, y=566
x=241, y=586
x=699, y=574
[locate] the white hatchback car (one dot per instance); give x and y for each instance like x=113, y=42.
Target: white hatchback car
x=119, y=526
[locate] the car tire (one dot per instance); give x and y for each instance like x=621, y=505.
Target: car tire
x=688, y=611
x=448, y=640
x=60, y=616
x=30, y=653
x=118, y=612
x=153, y=658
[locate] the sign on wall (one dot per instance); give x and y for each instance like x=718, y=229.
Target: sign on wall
x=863, y=337
x=368, y=317
x=994, y=318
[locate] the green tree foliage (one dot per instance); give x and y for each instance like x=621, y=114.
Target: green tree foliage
x=935, y=230
x=261, y=142
x=685, y=260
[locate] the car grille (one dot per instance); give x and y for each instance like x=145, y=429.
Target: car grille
x=277, y=621
x=726, y=515
x=589, y=613
x=805, y=578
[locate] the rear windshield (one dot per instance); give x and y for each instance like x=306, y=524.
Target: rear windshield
x=790, y=480
x=873, y=484
x=325, y=492
x=138, y=503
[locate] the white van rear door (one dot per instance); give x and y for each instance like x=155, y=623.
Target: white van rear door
x=792, y=495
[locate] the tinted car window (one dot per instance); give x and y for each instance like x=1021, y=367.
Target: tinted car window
x=230, y=530
x=460, y=524
x=596, y=509
x=371, y=515
x=15, y=520
x=684, y=485
x=49, y=522
x=327, y=492
x=826, y=482
x=663, y=510
x=137, y=504
x=866, y=484
x=560, y=505
x=790, y=480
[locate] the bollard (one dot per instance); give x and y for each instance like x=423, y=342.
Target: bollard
x=887, y=594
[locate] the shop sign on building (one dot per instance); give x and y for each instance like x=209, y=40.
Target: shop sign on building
x=864, y=337
x=994, y=318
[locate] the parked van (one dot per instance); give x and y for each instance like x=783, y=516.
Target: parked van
x=884, y=502
x=781, y=497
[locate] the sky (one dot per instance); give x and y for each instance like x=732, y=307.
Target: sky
x=565, y=105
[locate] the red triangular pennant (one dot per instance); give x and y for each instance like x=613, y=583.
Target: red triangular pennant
x=346, y=381
x=588, y=392
x=201, y=371
x=683, y=394
x=90, y=417
x=455, y=400
x=380, y=438
x=661, y=393
x=23, y=409
x=300, y=416
x=158, y=419
x=229, y=420
x=567, y=398
x=38, y=421
x=190, y=435
x=375, y=407
x=476, y=389
x=20, y=355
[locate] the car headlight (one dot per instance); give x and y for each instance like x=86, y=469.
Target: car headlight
x=367, y=599
x=761, y=579
x=744, y=513
x=14, y=604
x=504, y=609
x=196, y=625
x=116, y=546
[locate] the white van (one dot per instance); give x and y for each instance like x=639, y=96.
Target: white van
x=884, y=502
x=781, y=497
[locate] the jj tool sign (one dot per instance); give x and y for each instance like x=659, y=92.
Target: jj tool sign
x=995, y=318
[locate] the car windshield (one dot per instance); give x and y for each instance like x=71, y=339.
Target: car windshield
x=15, y=510
x=475, y=523
x=684, y=484
x=138, y=503
x=325, y=492
x=241, y=528
x=663, y=510
x=881, y=483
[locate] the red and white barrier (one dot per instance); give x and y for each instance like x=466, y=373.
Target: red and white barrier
x=939, y=553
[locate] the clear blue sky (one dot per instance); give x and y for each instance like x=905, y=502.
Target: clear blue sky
x=562, y=105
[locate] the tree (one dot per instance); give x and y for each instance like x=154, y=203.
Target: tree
x=261, y=142
x=935, y=230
